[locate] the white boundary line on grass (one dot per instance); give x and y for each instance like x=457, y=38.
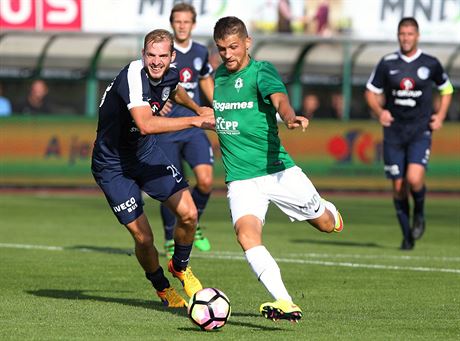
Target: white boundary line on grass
x=329, y=263
x=239, y=256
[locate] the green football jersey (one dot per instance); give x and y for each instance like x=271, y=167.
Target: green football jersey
x=246, y=121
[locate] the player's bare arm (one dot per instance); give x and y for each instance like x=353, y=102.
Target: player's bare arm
x=384, y=116
x=181, y=97
x=149, y=124
x=207, y=87
x=281, y=103
x=438, y=117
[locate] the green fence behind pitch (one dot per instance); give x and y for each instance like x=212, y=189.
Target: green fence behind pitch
x=51, y=151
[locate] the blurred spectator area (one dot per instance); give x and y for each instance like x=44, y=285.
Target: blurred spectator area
x=78, y=66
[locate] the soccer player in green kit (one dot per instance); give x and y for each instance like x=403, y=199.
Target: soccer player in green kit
x=247, y=96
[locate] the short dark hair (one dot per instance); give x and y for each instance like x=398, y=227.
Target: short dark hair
x=183, y=7
x=228, y=26
x=408, y=21
x=157, y=36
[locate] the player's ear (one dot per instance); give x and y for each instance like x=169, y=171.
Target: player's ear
x=248, y=42
x=173, y=56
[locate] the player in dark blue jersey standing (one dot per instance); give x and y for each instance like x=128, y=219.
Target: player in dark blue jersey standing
x=405, y=79
x=191, y=145
x=126, y=159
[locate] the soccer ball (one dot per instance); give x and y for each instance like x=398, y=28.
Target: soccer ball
x=209, y=309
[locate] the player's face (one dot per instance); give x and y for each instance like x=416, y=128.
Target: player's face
x=157, y=58
x=233, y=50
x=182, y=25
x=408, y=39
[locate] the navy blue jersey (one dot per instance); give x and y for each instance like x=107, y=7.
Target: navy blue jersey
x=192, y=64
x=118, y=139
x=407, y=83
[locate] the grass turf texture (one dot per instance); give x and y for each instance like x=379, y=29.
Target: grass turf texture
x=355, y=285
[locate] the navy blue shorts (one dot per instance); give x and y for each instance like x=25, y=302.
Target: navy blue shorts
x=123, y=186
x=194, y=148
x=404, y=146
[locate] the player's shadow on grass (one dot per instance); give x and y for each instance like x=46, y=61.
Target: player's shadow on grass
x=241, y=324
x=81, y=295
x=231, y=321
x=335, y=242
x=84, y=295
x=101, y=249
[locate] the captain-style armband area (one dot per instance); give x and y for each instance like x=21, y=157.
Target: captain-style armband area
x=446, y=89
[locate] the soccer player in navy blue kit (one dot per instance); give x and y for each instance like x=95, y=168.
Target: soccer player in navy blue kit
x=126, y=159
x=405, y=79
x=190, y=145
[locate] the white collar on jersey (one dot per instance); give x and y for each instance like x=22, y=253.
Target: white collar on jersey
x=412, y=58
x=184, y=50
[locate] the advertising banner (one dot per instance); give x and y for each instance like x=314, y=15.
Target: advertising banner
x=335, y=155
x=41, y=15
x=439, y=20
x=376, y=19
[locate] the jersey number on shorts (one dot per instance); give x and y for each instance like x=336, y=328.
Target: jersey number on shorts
x=175, y=173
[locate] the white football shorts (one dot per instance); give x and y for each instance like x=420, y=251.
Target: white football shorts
x=291, y=190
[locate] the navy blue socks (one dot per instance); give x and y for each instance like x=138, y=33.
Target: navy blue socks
x=181, y=256
x=419, y=202
x=402, y=212
x=158, y=279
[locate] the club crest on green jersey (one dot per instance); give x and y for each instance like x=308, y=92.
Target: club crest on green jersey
x=238, y=84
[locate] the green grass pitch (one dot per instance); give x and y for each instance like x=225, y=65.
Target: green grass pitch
x=67, y=273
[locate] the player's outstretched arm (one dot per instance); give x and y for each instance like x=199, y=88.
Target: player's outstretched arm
x=181, y=97
x=281, y=103
x=150, y=124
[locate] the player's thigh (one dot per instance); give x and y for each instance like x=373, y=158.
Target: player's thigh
x=122, y=194
x=246, y=198
x=158, y=177
x=394, y=159
x=197, y=150
x=419, y=149
x=293, y=192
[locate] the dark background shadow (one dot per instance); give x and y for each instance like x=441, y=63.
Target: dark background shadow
x=85, y=295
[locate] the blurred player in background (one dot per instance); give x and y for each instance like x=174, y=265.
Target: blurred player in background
x=126, y=159
x=405, y=79
x=191, y=145
x=247, y=95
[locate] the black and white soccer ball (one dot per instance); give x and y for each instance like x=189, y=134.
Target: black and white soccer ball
x=209, y=309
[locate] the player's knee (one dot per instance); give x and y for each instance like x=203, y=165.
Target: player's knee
x=415, y=182
x=204, y=184
x=189, y=217
x=144, y=240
